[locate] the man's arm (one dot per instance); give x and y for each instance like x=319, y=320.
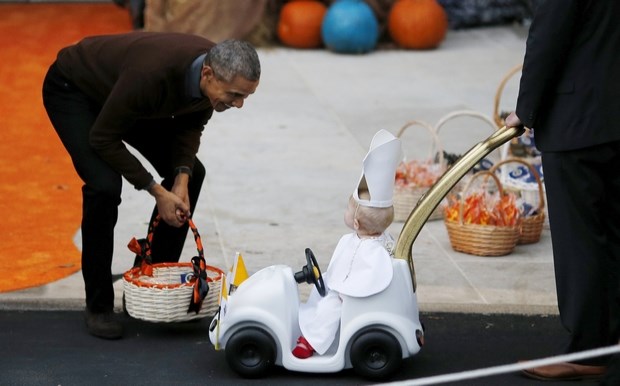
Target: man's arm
x=129, y=99
x=547, y=46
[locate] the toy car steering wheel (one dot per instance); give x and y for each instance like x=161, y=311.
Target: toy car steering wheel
x=311, y=273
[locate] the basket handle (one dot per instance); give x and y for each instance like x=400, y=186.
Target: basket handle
x=498, y=94
x=479, y=174
x=435, y=139
x=465, y=113
x=142, y=247
x=541, y=196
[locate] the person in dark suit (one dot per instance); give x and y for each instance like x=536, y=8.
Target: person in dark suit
x=155, y=92
x=569, y=95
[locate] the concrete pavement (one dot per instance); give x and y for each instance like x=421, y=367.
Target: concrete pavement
x=279, y=171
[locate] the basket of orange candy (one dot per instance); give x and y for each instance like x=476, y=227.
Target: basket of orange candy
x=485, y=221
x=415, y=177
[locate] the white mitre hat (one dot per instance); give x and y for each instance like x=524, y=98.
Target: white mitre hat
x=379, y=170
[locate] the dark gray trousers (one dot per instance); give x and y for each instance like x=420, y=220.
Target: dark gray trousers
x=583, y=194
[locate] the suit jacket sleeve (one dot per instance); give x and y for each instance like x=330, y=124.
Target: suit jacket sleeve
x=548, y=44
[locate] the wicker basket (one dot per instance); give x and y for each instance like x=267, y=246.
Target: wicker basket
x=481, y=240
x=531, y=226
x=163, y=292
x=407, y=197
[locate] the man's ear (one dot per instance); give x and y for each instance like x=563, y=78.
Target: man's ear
x=207, y=72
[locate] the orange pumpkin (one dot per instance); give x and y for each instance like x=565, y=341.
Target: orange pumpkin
x=299, y=25
x=417, y=24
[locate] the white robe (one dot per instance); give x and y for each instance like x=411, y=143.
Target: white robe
x=358, y=268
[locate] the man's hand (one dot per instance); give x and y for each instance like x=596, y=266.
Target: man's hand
x=512, y=120
x=180, y=187
x=172, y=209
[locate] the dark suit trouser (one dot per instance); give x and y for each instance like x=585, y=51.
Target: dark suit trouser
x=583, y=194
x=72, y=114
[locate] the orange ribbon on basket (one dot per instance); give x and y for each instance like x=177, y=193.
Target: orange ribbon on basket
x=139, y=247
x=201, y=286
x=142, y=248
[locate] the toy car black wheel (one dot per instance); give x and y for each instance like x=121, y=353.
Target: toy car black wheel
x=376, y=355
x=250, y=352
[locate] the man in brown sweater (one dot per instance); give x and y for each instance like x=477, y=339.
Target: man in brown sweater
x=155, y=92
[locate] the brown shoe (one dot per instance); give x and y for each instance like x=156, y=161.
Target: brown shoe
x=103, y=325
x=565, y=371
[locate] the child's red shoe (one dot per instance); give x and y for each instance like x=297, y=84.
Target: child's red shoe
x=303, y=349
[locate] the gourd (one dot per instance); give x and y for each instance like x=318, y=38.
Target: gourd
x=299, y=24
x=350, y=26
x=417, y=24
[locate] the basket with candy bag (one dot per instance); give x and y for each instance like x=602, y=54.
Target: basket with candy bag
x=485, y=221
x=414, y=177
x=532, y=208
x=170, y=292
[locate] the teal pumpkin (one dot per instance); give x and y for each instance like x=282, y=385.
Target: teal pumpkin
x=350, y=26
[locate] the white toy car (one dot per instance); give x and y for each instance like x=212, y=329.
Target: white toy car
x=260, y=325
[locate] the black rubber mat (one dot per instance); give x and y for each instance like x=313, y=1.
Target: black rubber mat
x=53, y=348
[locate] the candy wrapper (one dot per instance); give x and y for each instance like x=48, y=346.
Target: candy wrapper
x=418, y=173
x=484, y=208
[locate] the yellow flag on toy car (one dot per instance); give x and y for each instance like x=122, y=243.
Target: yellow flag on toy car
x=221, y=313
x=238, y=273
x=223, y=300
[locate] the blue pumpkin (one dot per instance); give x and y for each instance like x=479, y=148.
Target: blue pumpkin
x=350, y=27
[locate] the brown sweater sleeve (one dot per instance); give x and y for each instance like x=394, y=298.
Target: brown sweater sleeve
x=124, y=105
x=188, y=129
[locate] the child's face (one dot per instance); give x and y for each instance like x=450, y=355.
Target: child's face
x=349, y=214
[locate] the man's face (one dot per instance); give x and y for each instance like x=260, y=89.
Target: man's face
x=224, y=95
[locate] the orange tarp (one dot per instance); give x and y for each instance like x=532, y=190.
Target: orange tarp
x=40, y=193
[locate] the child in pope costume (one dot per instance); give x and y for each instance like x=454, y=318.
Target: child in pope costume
x=361, y=264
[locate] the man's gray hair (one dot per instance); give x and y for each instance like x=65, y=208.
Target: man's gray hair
x=234, y=57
